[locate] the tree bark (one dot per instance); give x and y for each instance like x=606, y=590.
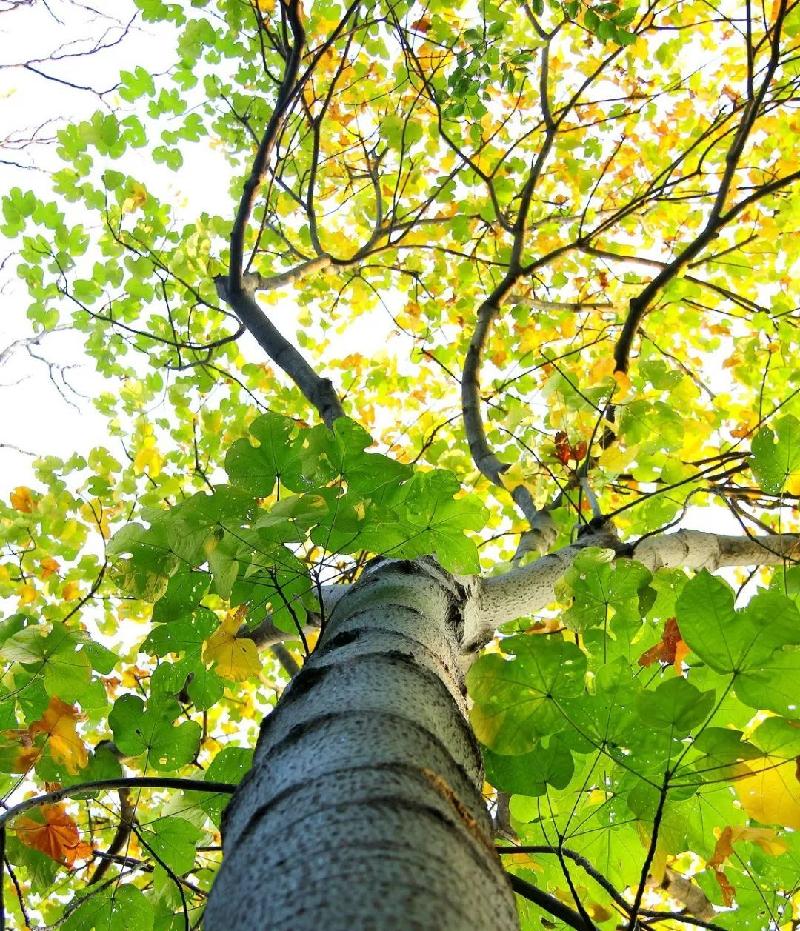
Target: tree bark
x=363, y=808
x=525, y=591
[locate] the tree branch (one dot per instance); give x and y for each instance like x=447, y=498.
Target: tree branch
x=549, y=903
x=526, y=590
x=127, y=782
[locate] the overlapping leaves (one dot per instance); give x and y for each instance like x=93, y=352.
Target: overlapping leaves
x=291, y=491
x=644, y=708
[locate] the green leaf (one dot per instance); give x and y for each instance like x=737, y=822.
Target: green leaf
x=184, y=592
x=711, y=626
x=778, y=737
x=603, y=589
x=151, y=731
x=186, y=634
x=676, y=706
x=173, y=840
x=776, y=455
x=773, y=685
x=112, y=908
x=517, y=700
x=251, y=468
x=531, y=773
x=229, y=765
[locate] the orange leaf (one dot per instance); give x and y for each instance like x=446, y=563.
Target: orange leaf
x=56, y=835
x=578, y=451
x=70, y=591
x=22, y=500
x=66, y=745
x=767, y=840
x=670, y=649
x=47, y=567
x=563, y=451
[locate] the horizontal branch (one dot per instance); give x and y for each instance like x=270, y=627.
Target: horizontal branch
x=257, y=282
x=127, y=782
x=527, y=590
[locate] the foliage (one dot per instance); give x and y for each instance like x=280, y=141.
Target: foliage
x=546, y=257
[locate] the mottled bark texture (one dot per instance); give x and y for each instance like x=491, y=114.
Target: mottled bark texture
x=363, y=809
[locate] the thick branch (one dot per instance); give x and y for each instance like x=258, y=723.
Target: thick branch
x=267, y=634
x=319, y=391
x=526, y=590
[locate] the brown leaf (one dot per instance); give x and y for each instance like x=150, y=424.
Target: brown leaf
x=670, y=649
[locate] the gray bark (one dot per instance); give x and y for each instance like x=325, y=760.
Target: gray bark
x=363, y=809
x=525, y=591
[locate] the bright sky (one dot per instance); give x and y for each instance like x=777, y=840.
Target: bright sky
x=47, y=408
x=34, y=415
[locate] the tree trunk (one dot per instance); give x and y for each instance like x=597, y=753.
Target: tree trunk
x=363, y=809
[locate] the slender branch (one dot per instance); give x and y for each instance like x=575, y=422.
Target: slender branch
x=717, y=218
x=577, y=858
x=549, y=903
x=633, y=922
x=127, y=782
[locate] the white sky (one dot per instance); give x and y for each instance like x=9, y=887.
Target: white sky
x=34, y=415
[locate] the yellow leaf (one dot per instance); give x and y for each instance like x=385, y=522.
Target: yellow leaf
x=70, y=591
x=27, y=593
x=519, y=473
x=148, y=459
x=236, y=657
x=53, y=833
x=601, y=370
x=772, y=793
x=59, y=723
x=22, y=499
x=614, y=459
x=136, y=198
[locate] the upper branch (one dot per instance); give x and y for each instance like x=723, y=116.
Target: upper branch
x=234, y=289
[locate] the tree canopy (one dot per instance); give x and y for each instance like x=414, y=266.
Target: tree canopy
x=513, y=285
